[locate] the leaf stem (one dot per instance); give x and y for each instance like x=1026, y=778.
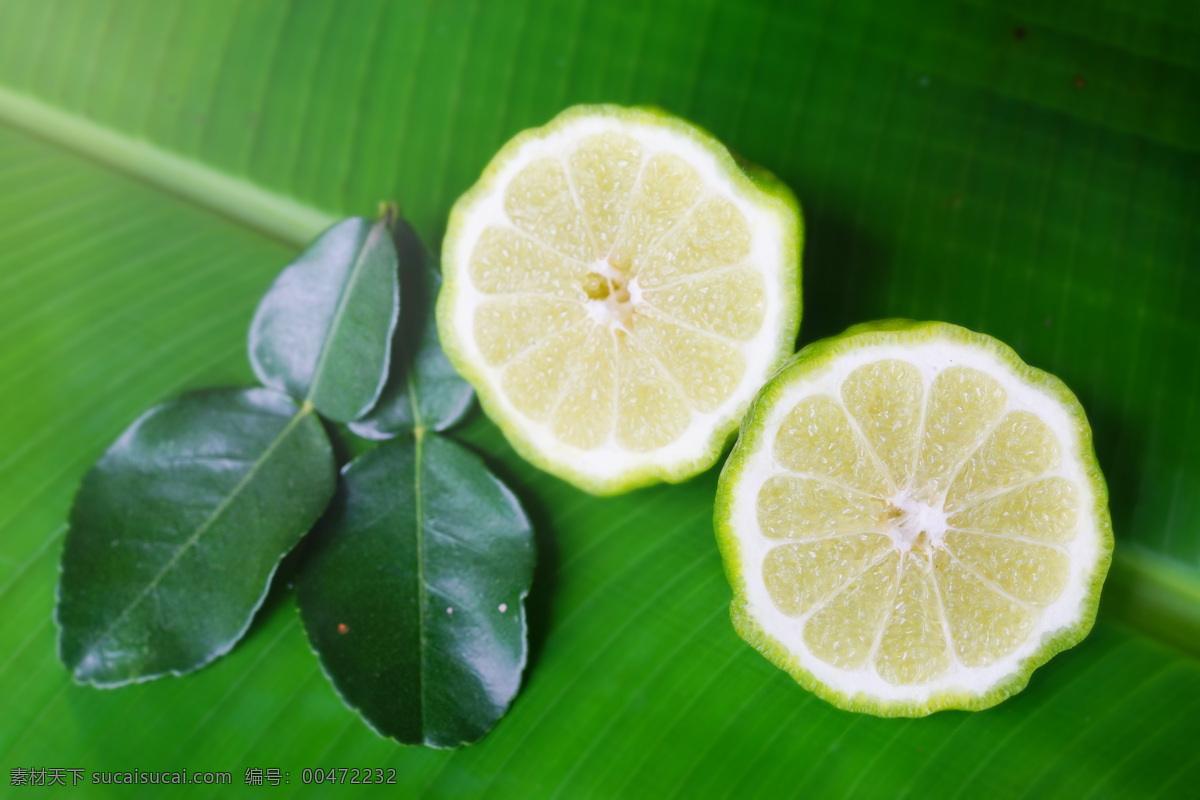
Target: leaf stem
x=421, y=588
x=389, y=212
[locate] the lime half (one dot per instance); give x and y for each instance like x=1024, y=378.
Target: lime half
x=617, y=289
x=913, y=519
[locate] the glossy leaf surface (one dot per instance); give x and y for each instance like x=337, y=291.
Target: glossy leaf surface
x=950, y=167
x=423, y=390
x=323, y=331
x=177, y=529
x=413, y=596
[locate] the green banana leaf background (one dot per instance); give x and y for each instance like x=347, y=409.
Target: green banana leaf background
x=1026, y=169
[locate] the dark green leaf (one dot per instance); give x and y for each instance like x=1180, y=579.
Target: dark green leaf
x=423, y=390
x=414, y=595
x=178, y=528
x=323, y=331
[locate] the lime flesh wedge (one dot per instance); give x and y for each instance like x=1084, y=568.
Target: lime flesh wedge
x=913, y=519
x=617, y=289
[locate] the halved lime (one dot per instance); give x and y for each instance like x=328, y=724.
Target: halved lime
x=616, y=289
x=913, y=519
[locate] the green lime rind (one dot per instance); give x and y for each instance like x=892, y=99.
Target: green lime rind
x=760, y=186
x=813, y=359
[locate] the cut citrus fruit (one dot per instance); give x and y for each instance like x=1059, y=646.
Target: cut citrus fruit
x=913, y=519
x=616, y=289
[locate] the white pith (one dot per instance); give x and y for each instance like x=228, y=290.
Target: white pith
x=610, y=311
x=915, y=515
x=771, y=228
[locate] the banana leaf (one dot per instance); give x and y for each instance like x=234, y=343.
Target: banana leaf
x=1026, y=169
